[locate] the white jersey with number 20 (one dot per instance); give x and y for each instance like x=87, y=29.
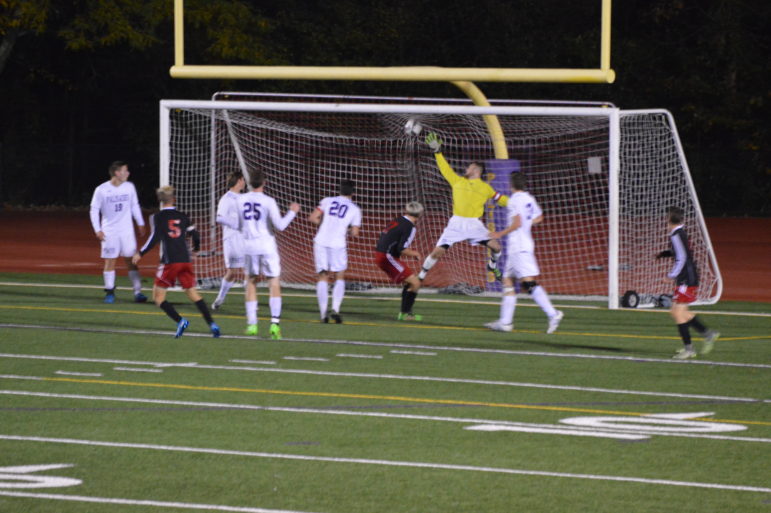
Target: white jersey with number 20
x=339, y=213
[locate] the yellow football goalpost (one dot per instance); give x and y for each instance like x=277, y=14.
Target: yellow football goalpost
x=463, y=78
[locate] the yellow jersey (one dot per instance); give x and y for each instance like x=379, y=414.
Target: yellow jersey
x=468, y=196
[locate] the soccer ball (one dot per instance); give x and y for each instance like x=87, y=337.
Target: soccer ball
x=412, y=127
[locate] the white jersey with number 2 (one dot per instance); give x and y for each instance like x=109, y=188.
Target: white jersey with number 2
x=339, y=213
x=522, y=204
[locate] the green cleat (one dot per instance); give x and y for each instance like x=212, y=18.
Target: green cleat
x=251, y=329
x=409, y=317
x=275, y=331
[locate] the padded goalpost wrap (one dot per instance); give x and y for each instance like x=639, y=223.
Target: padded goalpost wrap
x=604, y=193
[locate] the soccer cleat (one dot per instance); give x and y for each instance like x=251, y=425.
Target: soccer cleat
x=684, y=354
x=109, y=297
x=336, y=317
x=709, y=341
x=496, y=272
x=275, y=331
x=251, y=329
x=140, y=298
x=409, y=317
x=181, y=327
x=217, y=304
x=422, y=274
x=325, y=319
x=499, y=326
x=215, y=330
x=554, y=322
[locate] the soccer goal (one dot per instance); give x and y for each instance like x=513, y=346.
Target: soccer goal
x=603, y=177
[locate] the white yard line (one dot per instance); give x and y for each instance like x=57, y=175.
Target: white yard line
x=527, y=427
x=134, y=502
x=385, y=463
x=676, y=395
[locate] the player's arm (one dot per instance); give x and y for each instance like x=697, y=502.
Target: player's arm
x=516, y=222
x=94, y=212
x=315, y=216
x=680, y=254
x=136, y=213
x=280, y=223
x=355, y=224
x=446, y=169
x=151, y=241
x=192, y=232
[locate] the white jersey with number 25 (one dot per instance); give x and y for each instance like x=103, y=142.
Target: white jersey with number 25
x=258, y=217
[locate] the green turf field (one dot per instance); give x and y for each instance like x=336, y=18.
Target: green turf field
x=102, y=410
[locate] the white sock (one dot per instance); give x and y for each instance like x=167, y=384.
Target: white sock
x=322, y=295
x=275, y=309
x=251, y=312
x=224, y=289
x=540, y=297
x=109, y=280
x=428, y=263
x=508, y=304
x=136, y=281
x=338, y=293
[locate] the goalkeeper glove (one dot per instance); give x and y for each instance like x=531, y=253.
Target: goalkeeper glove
x=664, y=254
x=434, y=142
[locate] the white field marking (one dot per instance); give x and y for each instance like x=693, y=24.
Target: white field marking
x=410, y=378
x=416, y=353
x=660, y=422
x=494, y=300
x=84, y=374
x=132, y=502
x=352, y=355
x=300, y=359
x=634, y=359
x=135, y=369
x=255, y=362
x=187, y=364
x=516, y=426
x=387, y=463
x=556, y=431
x=18, y=477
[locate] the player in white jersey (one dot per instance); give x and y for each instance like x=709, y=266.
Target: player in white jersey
x=521, y=265
x=334, y=215
x=113, y=205
x=232, y=242
x=258, y=218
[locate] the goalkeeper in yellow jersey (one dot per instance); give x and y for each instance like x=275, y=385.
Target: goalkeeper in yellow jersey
x=469, y=196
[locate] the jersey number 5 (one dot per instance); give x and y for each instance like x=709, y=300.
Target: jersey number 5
x=174, y=231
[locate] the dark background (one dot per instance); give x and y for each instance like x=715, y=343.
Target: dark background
x=80, y=83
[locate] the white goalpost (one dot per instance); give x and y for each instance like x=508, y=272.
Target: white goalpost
x=603, y=176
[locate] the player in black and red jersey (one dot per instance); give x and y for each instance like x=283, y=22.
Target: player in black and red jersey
x=170, y=228
x=686, y=277
x=394, y=242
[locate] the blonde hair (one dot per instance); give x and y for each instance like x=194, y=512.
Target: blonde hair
x=165, y=194
x=414, y=208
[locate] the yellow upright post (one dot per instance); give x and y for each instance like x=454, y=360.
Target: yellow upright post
x=492, y=122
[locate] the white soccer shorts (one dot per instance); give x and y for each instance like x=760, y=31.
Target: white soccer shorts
x=330, y=259
x=521, y=264
x=119, y=244
x=461, y=229
x=233, y=252
x=268, y=265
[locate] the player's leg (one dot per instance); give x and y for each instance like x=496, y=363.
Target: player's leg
x=409, y=294
x=539, y=295
x=505, y=320
x=432, y=259
x=187, y=280
x=321, y=261
x=271, y=267
x=251, y=269
x=338, y=264
x=128, y=246
x=234, y=262
x=164, y=279
x=682, y=317
x=494, y=246
x=108, y=274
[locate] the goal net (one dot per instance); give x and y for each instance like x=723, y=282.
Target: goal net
x=602, y=176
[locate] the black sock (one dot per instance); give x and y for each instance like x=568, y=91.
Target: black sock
x=204, y=311
x=170, y=311
x=696, y=323
x=685, y=333
x=408, y=299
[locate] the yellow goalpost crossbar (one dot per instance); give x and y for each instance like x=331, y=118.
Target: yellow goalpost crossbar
x=604, y=74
